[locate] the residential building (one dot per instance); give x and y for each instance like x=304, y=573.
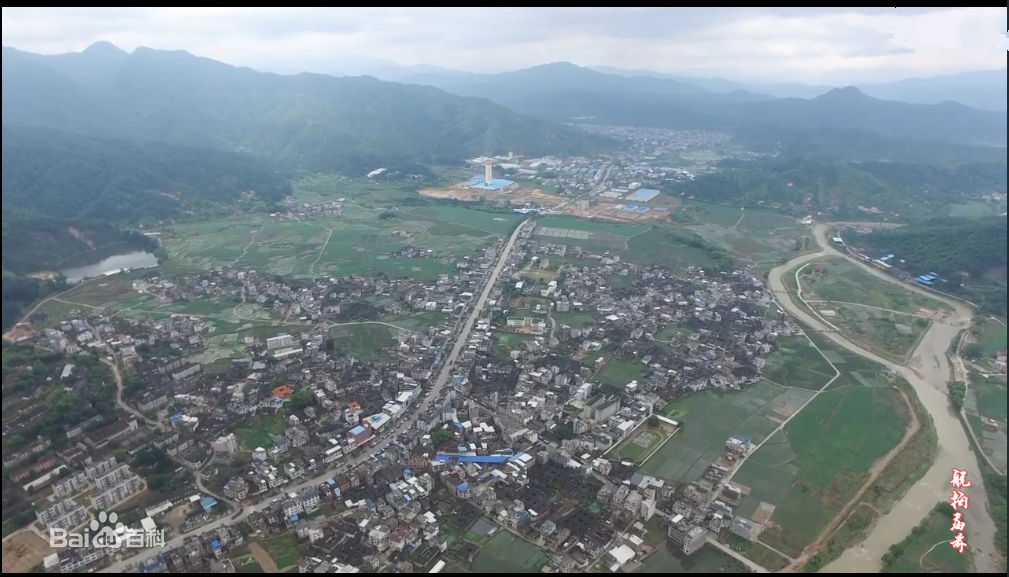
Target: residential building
x=236, y=488
x=100, y=467
x=118, y=474
x=688, y=537
x=311, y=501
x=71, y=485
x=72, y=560
x=281, y=341
x=105, y=500
x=152, y=403
x=293, y=507
x=65, y=514
x=109, y=433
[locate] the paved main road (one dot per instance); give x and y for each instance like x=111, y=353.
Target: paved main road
x=401, y=427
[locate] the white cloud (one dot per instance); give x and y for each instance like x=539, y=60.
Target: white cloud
x=787, y=43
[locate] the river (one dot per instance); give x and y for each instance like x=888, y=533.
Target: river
x=101, y=264
x=928, y=372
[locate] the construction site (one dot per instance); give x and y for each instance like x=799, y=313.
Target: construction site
x=649, y=206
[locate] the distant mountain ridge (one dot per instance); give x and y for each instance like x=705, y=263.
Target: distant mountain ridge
x=983, y=89
x=563, y=91
x=313, y=121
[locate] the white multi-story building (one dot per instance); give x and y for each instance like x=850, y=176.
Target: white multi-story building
x=104, y=501
x=99, y=468
x=65, y=514
x=279, y=342
x=293, y=507
x=70, y=485
x=118, y=474
x=226, y=444
x=153, y=403
x=236, y=488
x=311, y=501
x=72, y=560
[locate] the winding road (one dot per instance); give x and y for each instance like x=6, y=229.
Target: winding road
x=927, y=372
x=198, y=478
x=400, y=428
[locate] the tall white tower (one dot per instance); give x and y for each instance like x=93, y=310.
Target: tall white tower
x=488, y=172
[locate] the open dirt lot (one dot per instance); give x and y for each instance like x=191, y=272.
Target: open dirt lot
x=616, y=212
x=22, y=551
x=518, y=196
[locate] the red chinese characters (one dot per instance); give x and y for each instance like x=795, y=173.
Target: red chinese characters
x=959, y=500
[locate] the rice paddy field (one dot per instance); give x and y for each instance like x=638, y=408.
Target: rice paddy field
x=709, y=418
x=360, y=241
x=986, y=397
x=840, y=281
x=992, y=337
x=804, y=475
x=798, y=364
x=893, y=333
x=507, y=553
x=755, y=236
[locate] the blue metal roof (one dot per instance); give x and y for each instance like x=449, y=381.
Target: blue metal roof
x=473, y=458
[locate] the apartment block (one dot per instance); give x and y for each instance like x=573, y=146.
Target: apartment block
x=64, y=514
x=70, y=485
x=107, y=499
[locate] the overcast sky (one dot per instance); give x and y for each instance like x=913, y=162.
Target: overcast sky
x=801, y=44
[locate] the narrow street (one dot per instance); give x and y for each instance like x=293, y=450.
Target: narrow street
x=405, y=425
x=198, y=479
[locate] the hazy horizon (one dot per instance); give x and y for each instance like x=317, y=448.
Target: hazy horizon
x=836, y=46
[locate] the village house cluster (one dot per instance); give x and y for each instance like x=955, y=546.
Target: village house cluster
x=301, y=437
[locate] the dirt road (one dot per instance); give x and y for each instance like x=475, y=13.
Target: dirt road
x=928, y=372
x=263, y=558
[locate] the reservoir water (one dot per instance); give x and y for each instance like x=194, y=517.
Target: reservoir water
x=102, y=265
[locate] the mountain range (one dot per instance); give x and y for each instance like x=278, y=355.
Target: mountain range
x=310, y=121
x=563, y=91
x=984, y=89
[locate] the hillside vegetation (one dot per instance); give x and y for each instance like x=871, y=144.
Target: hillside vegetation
x=64, y=175
x=968, y=254
x=65, y=195
x=840, y=187
x=312, y=121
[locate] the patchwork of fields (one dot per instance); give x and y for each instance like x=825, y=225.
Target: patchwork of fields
x=708, y=419
x=360, y=241
x=838, y=280
x=806, y=473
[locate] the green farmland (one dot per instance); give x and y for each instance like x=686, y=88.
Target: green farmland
x=507, y=553
x=845, y=282
x=361, y=241
x=709, y=418
x=807, y=472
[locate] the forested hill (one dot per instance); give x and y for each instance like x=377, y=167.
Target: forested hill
x=968, y=252
x=33, y=243
x=64, y=175
x=810, y=184
x=317, y=122
x=65, y=194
